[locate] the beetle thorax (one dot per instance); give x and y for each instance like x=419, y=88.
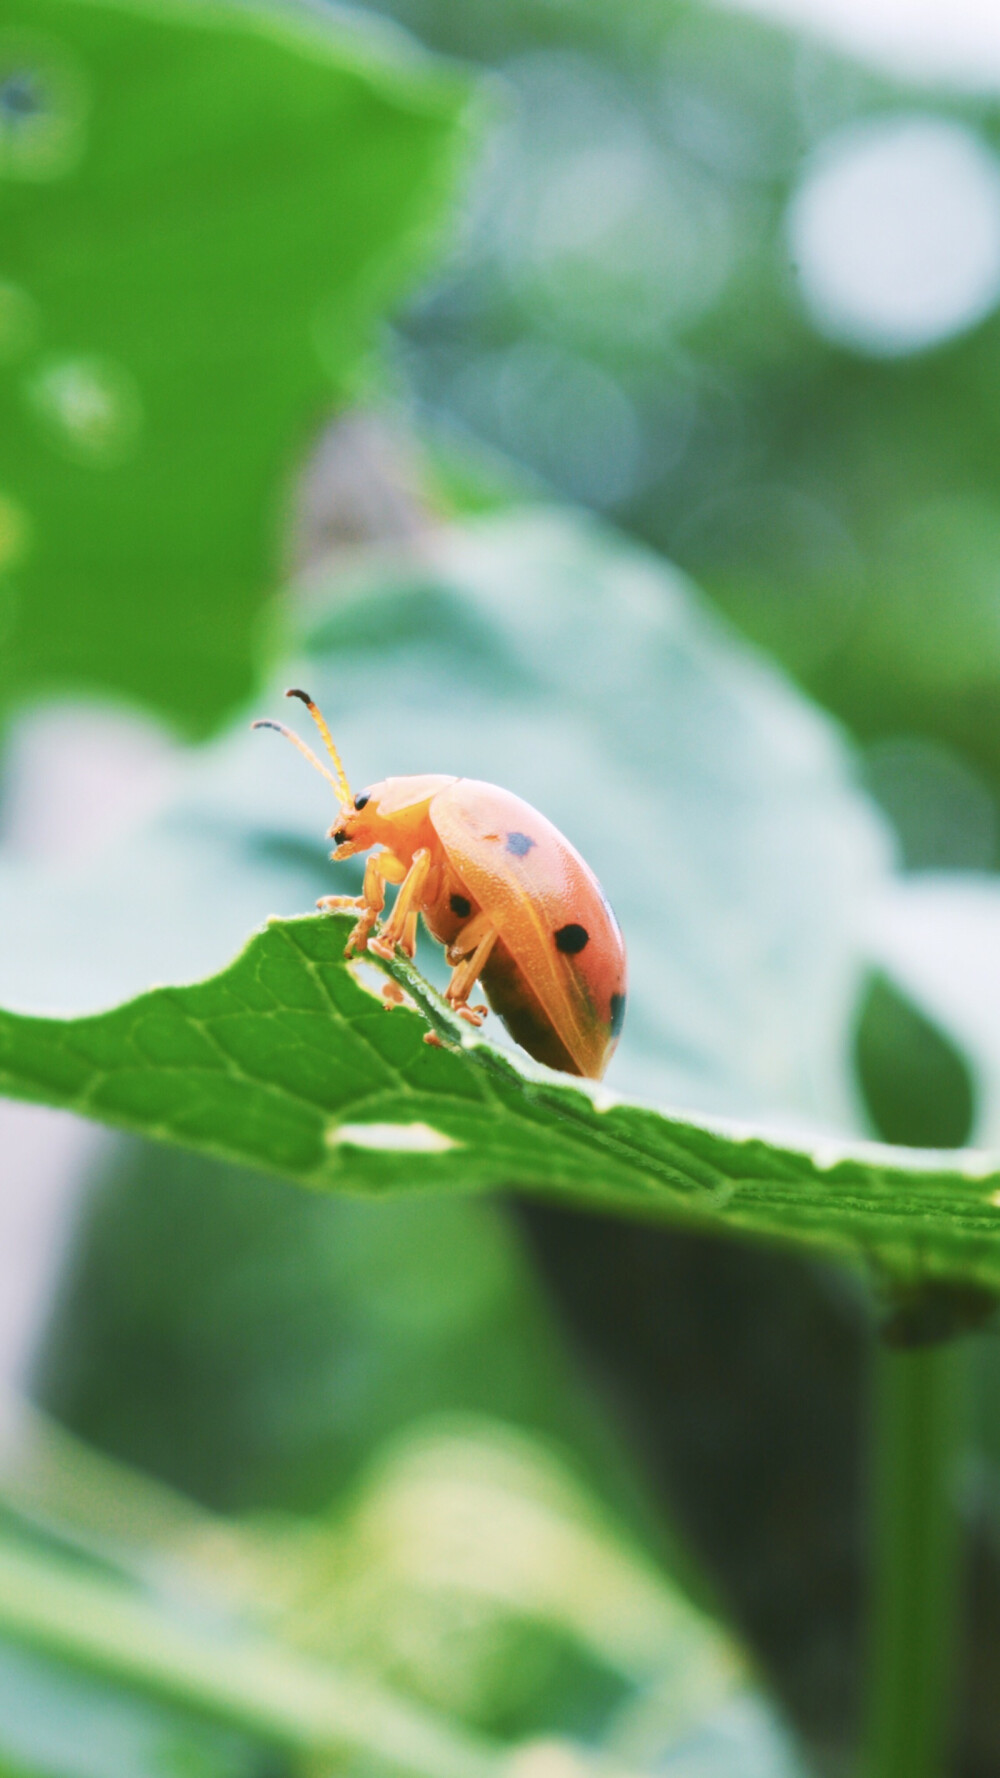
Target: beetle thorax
x=394, y=813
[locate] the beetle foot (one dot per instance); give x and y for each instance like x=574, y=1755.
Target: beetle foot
x=393, y=995
x=359, y=938
x=473, y=1015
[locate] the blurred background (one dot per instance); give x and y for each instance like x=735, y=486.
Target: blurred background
x=605, y=402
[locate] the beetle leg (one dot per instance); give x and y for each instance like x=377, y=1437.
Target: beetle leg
x=401, y=924
x=465, y=975
x=380, y=868
x=468, y=937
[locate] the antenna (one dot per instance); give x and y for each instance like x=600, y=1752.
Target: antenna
x=320, y=721
x=339, y=783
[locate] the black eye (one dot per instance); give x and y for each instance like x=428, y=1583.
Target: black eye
x=339, y=837
x=360, y=800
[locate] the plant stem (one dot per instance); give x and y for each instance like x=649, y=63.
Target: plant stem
x=257, y=1685
x=920, y=1402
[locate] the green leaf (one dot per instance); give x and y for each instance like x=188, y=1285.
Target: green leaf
x=204, y=208
x=288, y=1062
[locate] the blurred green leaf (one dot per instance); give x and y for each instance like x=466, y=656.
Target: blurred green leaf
x=59, y=1724
x=204, y=209
x=916, y=1084
x=263, y=1363
x=469, y=1560
x=320, y=1634
x=287, y=1359
x=286, y=1061
x=77, y=1614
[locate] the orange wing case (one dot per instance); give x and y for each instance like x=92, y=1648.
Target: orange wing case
x=558, y=975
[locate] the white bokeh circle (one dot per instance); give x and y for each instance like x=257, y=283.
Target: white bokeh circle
x=894, y=232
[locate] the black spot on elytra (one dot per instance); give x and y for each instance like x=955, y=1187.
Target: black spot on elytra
x=520, y=843
x=361, y=799
x=572, y=938
x=617, y=1013
x=461, y=906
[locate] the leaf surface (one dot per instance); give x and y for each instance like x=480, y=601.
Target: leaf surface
x=287, y=1061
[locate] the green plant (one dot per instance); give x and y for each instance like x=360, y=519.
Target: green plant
x=793, y=998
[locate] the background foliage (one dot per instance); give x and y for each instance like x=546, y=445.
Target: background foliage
x=559, y=1485
x=174, y=322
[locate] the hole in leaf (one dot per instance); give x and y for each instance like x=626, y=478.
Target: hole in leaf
x=419, y=1138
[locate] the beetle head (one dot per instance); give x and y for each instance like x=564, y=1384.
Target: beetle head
x=357, y=824
x=391, y=813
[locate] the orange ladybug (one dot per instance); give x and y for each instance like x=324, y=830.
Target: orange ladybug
x=510, y=899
